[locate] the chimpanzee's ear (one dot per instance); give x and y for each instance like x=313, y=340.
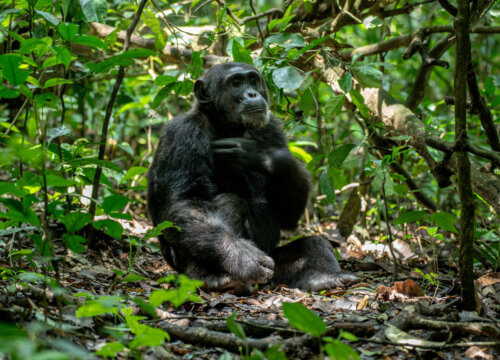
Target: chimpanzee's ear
x=201, y=91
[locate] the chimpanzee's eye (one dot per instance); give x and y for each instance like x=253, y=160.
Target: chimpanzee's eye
x=254, y=80
x=236, y=82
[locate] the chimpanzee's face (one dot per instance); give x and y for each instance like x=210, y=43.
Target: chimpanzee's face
x=238, y=92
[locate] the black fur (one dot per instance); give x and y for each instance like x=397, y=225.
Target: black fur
x=223, y=173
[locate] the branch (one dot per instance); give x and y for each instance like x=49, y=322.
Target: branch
x=417, y=92
x=482, y=108
x=170, y=54
x=444, y=146
x=404, y=40
x=452, y=10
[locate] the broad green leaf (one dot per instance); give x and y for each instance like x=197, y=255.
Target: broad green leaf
x=110, y=350
x=163, y=80
x=287, y=78
x=132, y=278
x=286, y=40
x=300, y=153
x=327, y=185
x=48, y=16
x=110, y=227
x=368, y=76
x=489, y=86
x=54, y=180
x=76, y=221
x=91, y=41
x=52, y=133
x=55, y=82
x=304, y=319
x=234, y=327
x=165, y=91
x=339, y=351
x=37, y=46
x=240, y=54
x=74, y=242
x=445, y=221
x=133, y=172
x=10, y=65
x=114, y=203
x=408, y=217
x=124, y=59
x=157, y=230
x=154, y=24
x=334, y=106
x=94, y=10
x=339, y=154
x=67, y=30
x=95, y=308
x=95, y=161
x=359, y=102
x=345, y=82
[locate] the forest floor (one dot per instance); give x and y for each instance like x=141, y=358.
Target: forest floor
x=415, y=317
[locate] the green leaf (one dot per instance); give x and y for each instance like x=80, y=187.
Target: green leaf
x=489, y=86
x=240, y=54
x=339, y=154
x=95, y=161
x=10, y=64
x=304, y=319
x=76, y=221
x=327, y=185
x=114, y=203
x=340, y=351
x=334, y=106
x=359, y=102
x=300, y=153
x=55, y=82
x=74, y=242
x=445, y=221
x=95, y=308
x=123, y=59
x=110, y=227
x=67, y=31
x=94, y=10
x=132, y=278
x=345, y=82
x=163, y=80
x=408, y=217
x=54, y=180
x=37, y=46
x=133, y=172
x=165, y=91
x=91, y=41
x=49, y=17
x=287, y=78
x=157, y=230
x=110, y=350
x=234, y=327
x=286, y=40
x=368, y=76
x=52, y=133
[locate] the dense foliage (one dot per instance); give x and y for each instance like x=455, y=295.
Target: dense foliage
x=364, y=89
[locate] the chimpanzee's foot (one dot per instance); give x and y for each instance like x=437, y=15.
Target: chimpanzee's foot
x=308, y=263
x=314, y=281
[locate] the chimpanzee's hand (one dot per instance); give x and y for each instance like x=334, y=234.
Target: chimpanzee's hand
x=240, y=152
x=245, y=262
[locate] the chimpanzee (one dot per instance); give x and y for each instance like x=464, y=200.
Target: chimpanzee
x=223, y=173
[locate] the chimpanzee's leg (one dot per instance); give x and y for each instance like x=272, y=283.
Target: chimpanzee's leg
x=309, y=263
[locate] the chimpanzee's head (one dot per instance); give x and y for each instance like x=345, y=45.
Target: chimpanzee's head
x=234, y=95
